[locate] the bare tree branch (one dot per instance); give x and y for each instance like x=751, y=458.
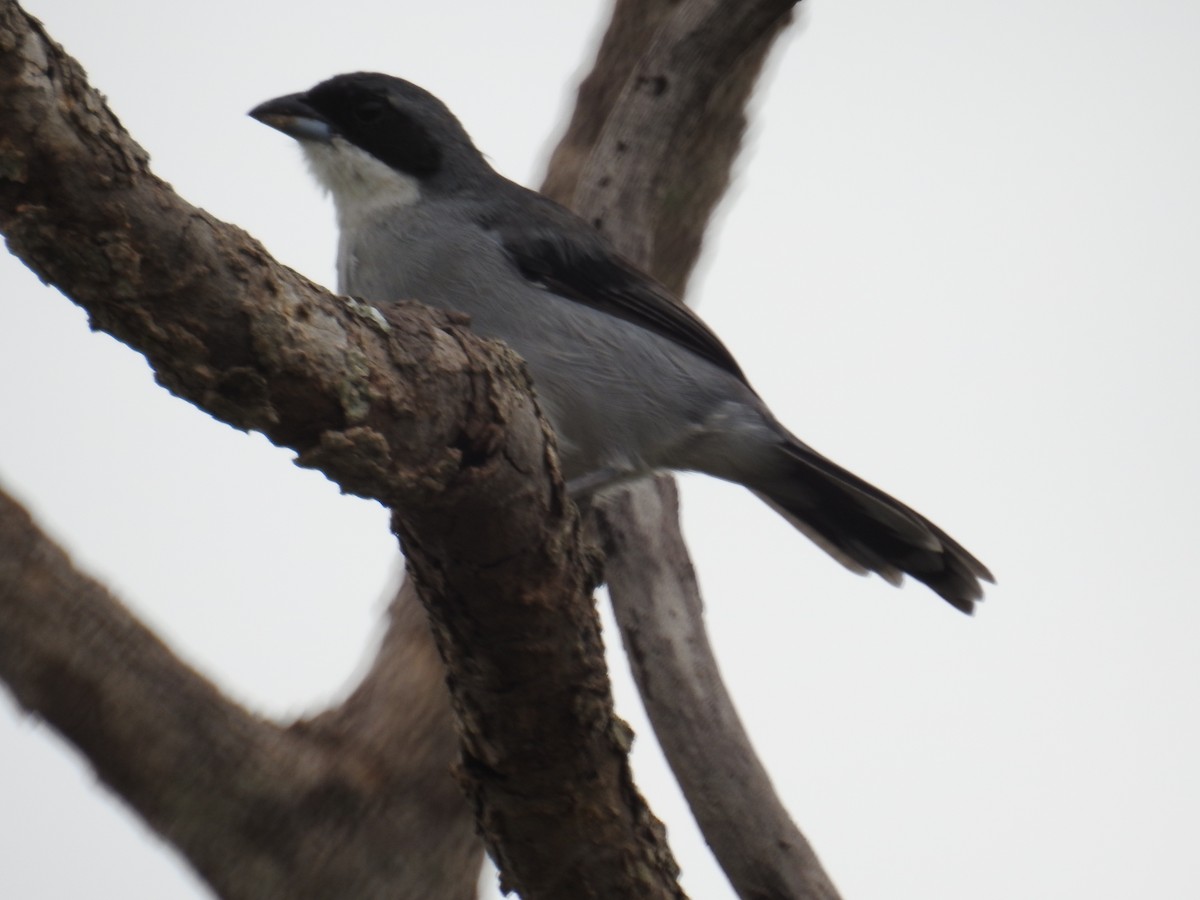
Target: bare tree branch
x=412, y=410
x=670, y=87
x=657, y=602
x=260, y=811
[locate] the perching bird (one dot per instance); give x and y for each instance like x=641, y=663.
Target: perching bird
x=631, y=380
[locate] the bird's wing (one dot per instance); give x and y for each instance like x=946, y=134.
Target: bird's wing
x=554, y=248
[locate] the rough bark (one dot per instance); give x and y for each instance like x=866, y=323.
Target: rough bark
x=410, y=409
x=650, y=177
x=343, y=807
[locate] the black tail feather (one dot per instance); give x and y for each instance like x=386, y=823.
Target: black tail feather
x=868, y=531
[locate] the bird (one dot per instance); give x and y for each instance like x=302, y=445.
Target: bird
x=631, y=381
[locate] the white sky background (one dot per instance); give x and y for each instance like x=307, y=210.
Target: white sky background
x=961, y=257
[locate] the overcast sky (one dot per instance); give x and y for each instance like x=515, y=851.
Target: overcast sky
x=961, y=257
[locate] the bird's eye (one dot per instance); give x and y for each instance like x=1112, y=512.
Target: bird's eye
x=369, y=110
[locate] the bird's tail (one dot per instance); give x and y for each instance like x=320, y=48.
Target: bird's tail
x=866, y=530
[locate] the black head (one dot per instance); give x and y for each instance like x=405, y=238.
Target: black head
x=398, y=123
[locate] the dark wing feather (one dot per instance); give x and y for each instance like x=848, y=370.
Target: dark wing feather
x=555, y=249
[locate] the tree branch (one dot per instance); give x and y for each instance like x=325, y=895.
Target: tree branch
x=408, y=408
x=259, y=810
x=670, y=87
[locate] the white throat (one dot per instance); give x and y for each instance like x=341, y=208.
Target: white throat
x=361, y=185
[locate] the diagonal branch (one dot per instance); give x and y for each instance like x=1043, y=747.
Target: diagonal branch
x=670, y=87
x=411, y=410
x=259, y=810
